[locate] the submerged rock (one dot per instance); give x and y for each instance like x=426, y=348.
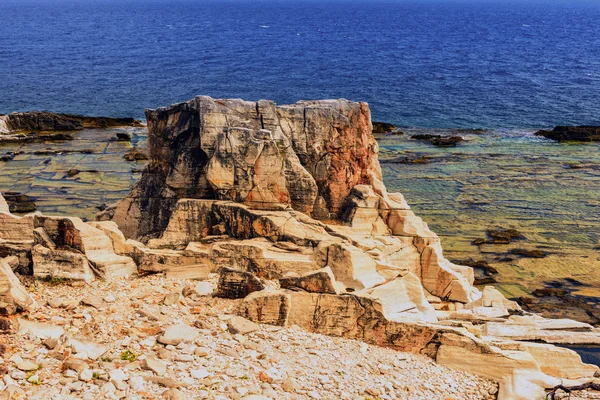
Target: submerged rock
x=572, y=133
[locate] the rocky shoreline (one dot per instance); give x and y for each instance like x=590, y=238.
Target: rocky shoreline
x=283, y=207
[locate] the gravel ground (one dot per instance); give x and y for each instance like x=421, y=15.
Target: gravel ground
x=204, y=360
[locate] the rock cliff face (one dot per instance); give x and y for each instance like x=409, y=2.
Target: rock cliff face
x=307, y=156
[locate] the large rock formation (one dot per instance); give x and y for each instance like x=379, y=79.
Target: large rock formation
x=294, y=194
x=287, y=204
x=307, y=156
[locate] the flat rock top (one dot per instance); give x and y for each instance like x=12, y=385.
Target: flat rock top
x=277, y=363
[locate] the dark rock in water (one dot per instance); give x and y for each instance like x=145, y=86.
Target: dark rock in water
x=439, y=140
x=19, y=203
x=135, y=155
x=572, y=133
x=529, y=253
x=446, y=141
x=504, y=236
x=484, y=272
x=407, y=160
x=237, y=284
x=48, y=121
x=557, y=292
x=72, y=172
x=467, y=131
x=124, y=137
x=383, y=127
x=581, y=308
x=500, y=236
x=425, y=137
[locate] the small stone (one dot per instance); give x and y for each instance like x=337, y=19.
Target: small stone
x=176, y=334
x=75, y=364
x=201, y=351
x=55, y=302
x=92, y=301
x=204, y=288
x=199, y=373
x=35, y=378
x=165, y=354
x=86, y=375
x=70, y=304
x=173, y=394
x=117, y=375
x=27, y=366
x=263, y=376
x=241, y=325
x=109, y=298
x=166, y=382
x=51, y=343
x=289, y=385
x=137, y=383
x=172, y=298
x=156, y=366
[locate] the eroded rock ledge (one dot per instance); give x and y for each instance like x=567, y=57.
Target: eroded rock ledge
x=287, y=204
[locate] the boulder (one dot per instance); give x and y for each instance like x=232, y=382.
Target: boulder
x=236, y=284
x=117, y=238
x=241, y=325
x=73, y=233
x=191, y=221
x=41, y=237
x=491, y=297
x=267, y=307
x=321, y=281
x=176, y=334
x=61, y=264
x=3, y=205
x=13, y=295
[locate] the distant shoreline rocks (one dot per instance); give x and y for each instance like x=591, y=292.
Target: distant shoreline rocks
x=44, y=121
x=582, y=133
x=439, y=140
x=384, y=128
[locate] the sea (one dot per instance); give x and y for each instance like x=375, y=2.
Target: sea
x=492, y=71
x=433, y=63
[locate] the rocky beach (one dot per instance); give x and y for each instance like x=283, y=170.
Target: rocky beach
x=237, y=249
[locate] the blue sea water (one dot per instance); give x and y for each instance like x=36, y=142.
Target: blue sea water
x=418, y=63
